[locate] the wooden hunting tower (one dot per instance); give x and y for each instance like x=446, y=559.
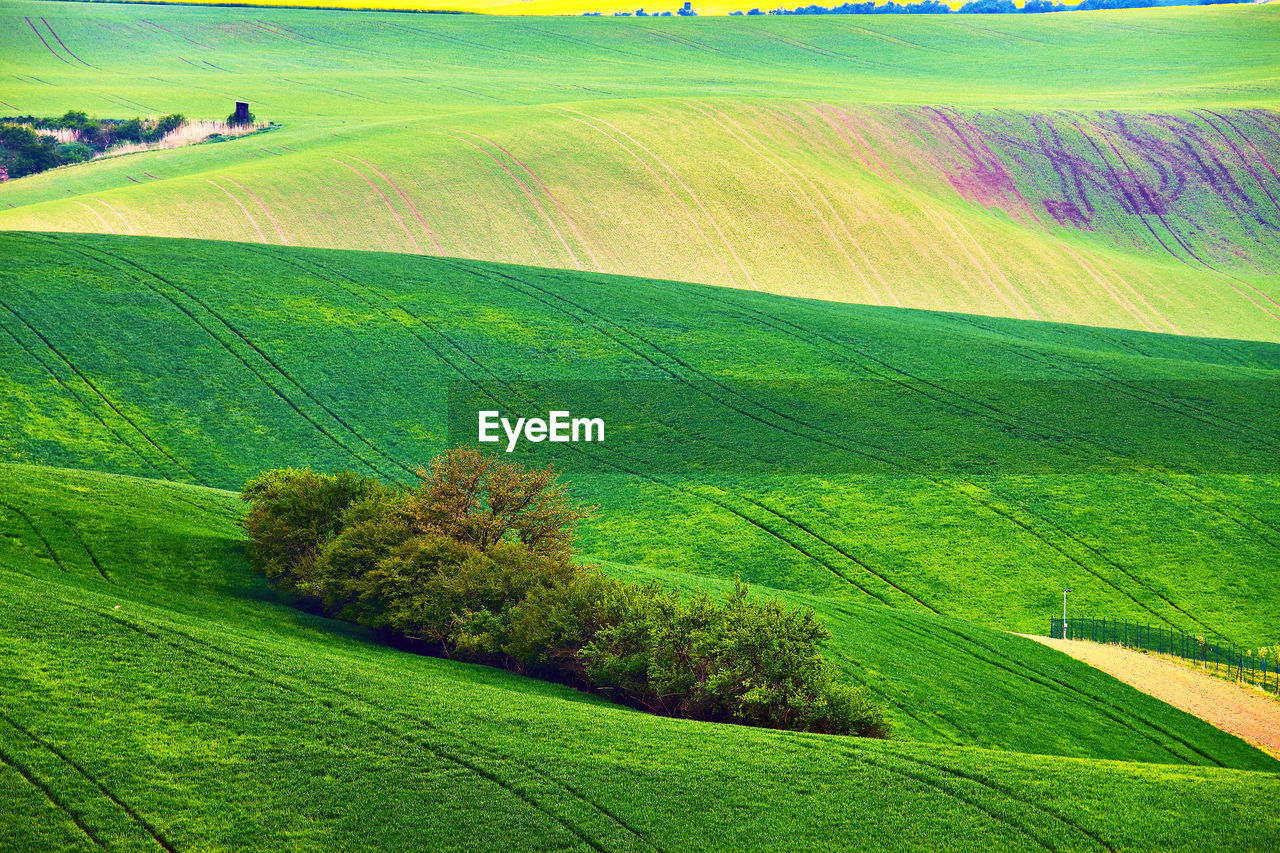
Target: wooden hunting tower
x=242, y=112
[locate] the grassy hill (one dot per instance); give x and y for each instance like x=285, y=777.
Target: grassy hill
x=914, y=320
x=937, y=463
x=984, y=166
x=194, y=711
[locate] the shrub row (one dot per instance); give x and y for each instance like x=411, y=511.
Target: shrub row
x=26, y=151
x=474, y=562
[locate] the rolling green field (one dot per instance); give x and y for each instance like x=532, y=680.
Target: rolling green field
x=914, y=320
x=977, y=166
x=808, y=446
x=193, y=712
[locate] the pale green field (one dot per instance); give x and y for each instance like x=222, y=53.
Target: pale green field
x=986, y=166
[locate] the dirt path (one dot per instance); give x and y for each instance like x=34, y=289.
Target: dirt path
x=1243, y=711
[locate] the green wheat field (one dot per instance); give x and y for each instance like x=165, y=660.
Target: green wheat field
x=913, y=320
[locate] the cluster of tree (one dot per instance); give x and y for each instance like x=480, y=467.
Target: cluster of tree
x=983, y=7
x=641, y=13
x=475, y=562
x=25, y=151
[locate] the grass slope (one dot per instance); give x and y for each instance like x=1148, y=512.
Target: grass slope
x=968, y=466
x=895, y=159
x=156, y=696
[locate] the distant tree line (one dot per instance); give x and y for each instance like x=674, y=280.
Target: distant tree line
x=475, y=562
x=25, y=151
x=984, y=7
x=934, y=7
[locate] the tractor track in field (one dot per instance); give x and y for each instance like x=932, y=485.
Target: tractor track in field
x=1240, y=154
x=85, y=379
x=647, y=58
x=680, y=488
x=455, y=756
x=431, y=33
x=524, y=187
x=53, y=555
x=808, y=530
x=49, y=795
x=226, y=513
x=241, y=665
x=1006, y=792
x=631, y=471
x=807, y=137
x=951, y=793
x=142, y=822
x=386, y=201
x=836, y=607
x=313, y=41
x=176, y=35
x=84, y=403
x=497, y=275
x=1183, y=408
x=753, y=144
x=1241, y=430
x=1119, y=713
x=546, y=191
x=118, y=214
x=262, y=238
x=1003, y=513
x=276, y=225
x=245, y=362
x=791, y=123
x=859, y=449
x=689, y=191
x=1017, y=422
x=69, y=51
x=431, y=234
x=75, y=531
x=56, y=55
x=1137, y=209
x=688, y=213
x=1019, y=669
x=269, y=361
x=493, y=753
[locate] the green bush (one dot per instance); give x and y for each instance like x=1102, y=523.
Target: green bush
x=294, y=512
x=74, y=152
x=130, y=130
x=475, y=562
x=743, y=661
x=162, y=127
x=24, y=152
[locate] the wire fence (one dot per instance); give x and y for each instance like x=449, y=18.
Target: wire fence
x=1219, y=656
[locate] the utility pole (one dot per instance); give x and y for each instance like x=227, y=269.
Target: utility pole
x=1064, y=613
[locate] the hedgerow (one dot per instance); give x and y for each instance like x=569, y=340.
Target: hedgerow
x=475, y=562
